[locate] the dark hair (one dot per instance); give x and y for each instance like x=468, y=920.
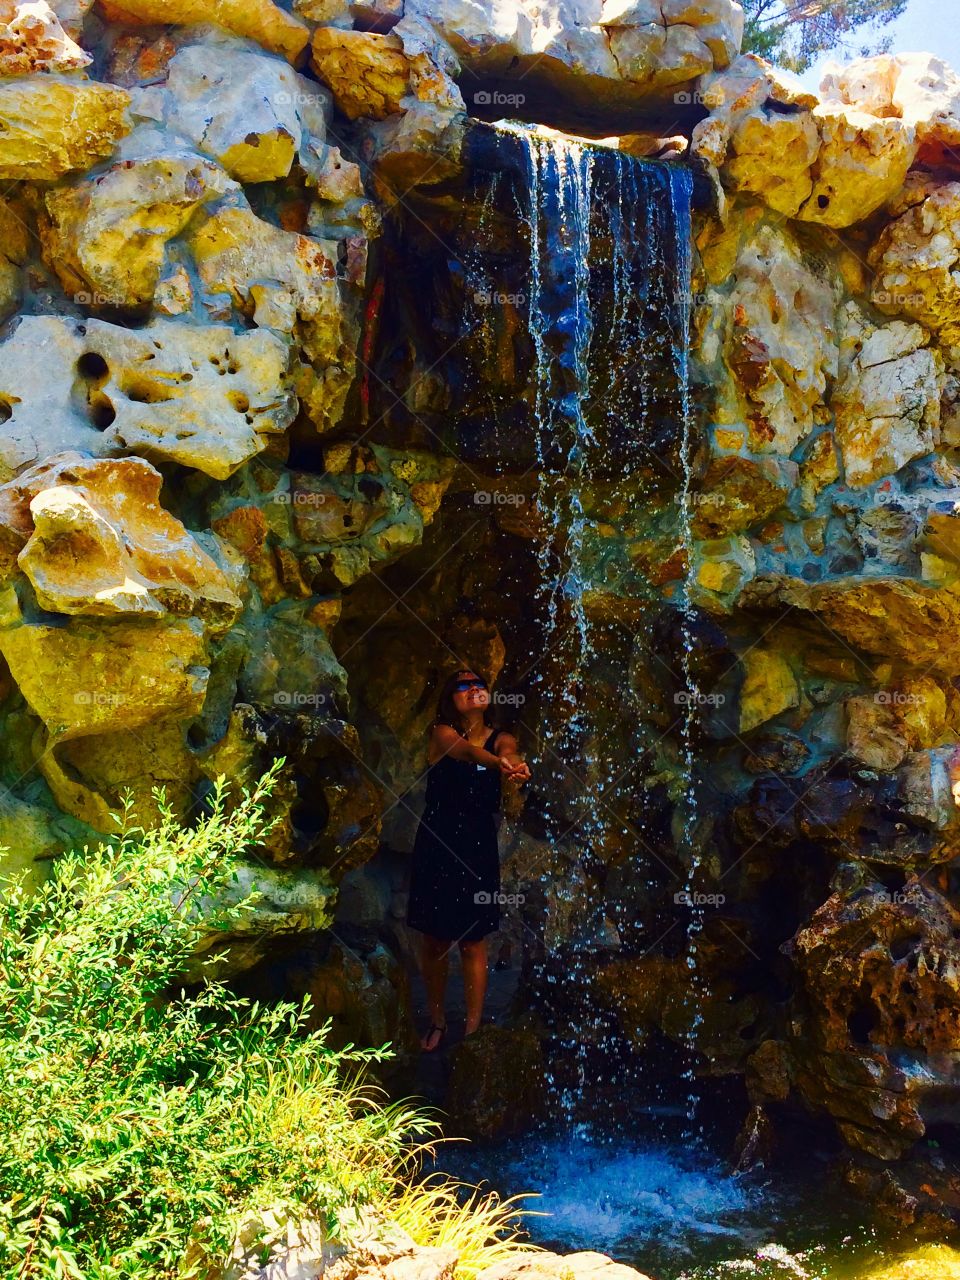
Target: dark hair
x=447, y=713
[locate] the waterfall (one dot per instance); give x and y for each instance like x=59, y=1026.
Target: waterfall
x=609, y=293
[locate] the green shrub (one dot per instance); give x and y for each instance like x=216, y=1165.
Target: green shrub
x=138, y=1118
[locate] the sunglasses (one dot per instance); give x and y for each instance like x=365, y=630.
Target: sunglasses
x=463, y=685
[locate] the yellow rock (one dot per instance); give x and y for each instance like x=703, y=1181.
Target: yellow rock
x=92, y=677
x=102, y=544
x=50, y=125
x=931, y=1262
x=368, y=74
x=258, y=20
x=718, y=575
x=769, y=687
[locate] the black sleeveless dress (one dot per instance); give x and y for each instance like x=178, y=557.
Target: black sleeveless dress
x=455, y=878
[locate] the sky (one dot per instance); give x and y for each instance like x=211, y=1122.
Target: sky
x=926, y=25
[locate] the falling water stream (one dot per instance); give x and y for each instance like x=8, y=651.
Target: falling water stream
x=657, y=1199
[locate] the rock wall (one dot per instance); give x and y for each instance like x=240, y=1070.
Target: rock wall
x=264, y=288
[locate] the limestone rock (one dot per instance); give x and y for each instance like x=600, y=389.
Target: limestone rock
x=734, y=494
x=50, y=125
x=615, y=53
x=915, y=259
x=108, y=231
x=291, y=283
x=779, y=336
x=91, y=677
x=544, y=1265
x=888, y=403
x=918, y=88
x=203, y=397
x=861, y=163
x=769, y=687
x=862, y=958
x=895, y=618
x=101, y=543
x=259, y=20
x=32, y=39
x=822, y=162
x=246, y=109
x=368, y=74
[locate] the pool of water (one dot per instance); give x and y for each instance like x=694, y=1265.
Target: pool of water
x=676, y=1213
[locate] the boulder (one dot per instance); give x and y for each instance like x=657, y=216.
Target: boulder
x=203, y=397
x=50, y=125
x=367, y=73
x=915, y=262
x=92, y=677
x=259, y=20
x=918, y=88
x=98, y=542
x=247, y=109
x=893, y=618
x=496, y=1082
x=769, y=687
x=544, y=1265
x=821, y=162
x=887, y=403
x=107, y=233
x=777, y=333
x=32, y=39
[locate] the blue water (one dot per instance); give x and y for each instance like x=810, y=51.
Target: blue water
x=674, y=1212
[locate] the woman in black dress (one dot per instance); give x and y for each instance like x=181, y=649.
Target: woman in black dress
x=455, y=879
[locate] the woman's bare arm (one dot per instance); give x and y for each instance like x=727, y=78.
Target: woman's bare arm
x=445, y=741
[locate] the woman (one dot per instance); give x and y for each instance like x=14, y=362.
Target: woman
x=455, y=881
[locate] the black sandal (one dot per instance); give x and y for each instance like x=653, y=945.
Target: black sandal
x=430, y=1030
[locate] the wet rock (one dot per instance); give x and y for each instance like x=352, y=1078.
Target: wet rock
x=734, y=494
x=769, y=687
x=890, y=617
x=776, y=753
x=881, y=979
x=495, y=1086
x=52, y=124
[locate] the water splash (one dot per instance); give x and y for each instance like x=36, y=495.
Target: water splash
x=598, y=347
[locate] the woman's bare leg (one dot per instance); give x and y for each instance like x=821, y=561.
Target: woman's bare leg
x=473, y=958
x=434, y=965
